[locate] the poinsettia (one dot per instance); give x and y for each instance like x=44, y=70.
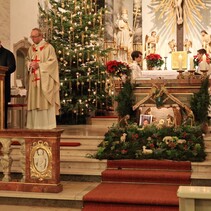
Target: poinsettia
x=117, y=68
x=154, y=60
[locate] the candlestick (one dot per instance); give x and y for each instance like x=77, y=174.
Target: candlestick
x=165, y=68
x=180, y=62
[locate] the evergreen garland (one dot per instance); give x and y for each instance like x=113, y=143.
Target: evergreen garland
x=125, y=100
x=200, y=102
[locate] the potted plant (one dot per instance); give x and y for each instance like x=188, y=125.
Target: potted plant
x=154, y=61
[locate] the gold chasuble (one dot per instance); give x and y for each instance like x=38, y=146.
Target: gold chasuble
x=43, y=101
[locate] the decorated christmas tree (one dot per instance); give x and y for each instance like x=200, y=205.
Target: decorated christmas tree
x=75, y=28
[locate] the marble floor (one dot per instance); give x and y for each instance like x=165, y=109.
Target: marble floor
x=72, y=193
x=83, y=130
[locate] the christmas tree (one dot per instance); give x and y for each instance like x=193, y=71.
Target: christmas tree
x=75, y=28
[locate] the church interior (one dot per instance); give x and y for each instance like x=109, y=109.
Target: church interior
x=133, y=131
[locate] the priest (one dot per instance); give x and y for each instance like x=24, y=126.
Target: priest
x=43, y=101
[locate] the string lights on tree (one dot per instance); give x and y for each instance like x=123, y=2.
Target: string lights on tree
x=75, y=28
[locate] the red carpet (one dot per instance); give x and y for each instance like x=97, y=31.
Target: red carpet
x=149, y=185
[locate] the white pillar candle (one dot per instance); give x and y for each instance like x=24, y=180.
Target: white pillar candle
x=204, y=58
x=180, y=62
x=191, y=63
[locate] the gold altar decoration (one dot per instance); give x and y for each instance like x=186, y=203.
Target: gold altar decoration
x=171, y=9
x=41, y=161
x=179, y=60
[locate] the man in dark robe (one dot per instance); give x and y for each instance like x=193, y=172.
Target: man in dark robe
x=7, y=59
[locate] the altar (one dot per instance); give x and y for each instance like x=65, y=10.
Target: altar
x=158, y=74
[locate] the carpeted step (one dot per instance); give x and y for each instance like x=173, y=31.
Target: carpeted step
x=126, y=196
x=147, y=176
x=150, y=164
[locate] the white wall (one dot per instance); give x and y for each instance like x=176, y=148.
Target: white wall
x=24, y=16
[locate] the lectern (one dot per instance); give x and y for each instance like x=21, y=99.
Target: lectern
x=2, y=76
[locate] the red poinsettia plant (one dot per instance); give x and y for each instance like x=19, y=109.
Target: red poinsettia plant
x=154, y=60
x=117, y=68
x=196, y=61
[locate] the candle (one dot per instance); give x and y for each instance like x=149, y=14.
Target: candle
x=204, y=58
x=180, y=61
x=191, y=63
x=203, y=63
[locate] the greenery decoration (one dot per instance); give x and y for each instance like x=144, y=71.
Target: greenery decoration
x=76, y=30
x=125, y=100
x=184, y=143
x=200, y=102
x=154, y=60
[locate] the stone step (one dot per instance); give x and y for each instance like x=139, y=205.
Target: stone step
x=201, y=167
x=71, y=198
x=82, y=163
x=107, y=121
x=77, y=151
x=83, y=140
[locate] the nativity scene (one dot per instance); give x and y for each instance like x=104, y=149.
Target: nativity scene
x=132, y=85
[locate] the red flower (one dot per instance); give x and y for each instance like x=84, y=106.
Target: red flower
x=154, y=60
x=116, y=68
x=124, y=151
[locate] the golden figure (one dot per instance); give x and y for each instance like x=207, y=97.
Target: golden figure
x=172, y=45
x=151, y=42
x=188, y=45
x=206, y=41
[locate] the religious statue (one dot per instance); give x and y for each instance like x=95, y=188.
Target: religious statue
x=206, y=41
x=178, y=6
x=123, y=37
x=151, y=42
x=172, y=45
x=188, y=45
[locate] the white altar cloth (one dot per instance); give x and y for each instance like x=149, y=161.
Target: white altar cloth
x=158, y=74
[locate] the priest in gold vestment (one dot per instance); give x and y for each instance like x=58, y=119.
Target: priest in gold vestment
x=43, y=102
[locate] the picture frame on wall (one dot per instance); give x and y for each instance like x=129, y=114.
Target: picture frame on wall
x=145, y=120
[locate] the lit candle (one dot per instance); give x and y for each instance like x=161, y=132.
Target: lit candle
x=204, y=58
x=203, y=63
x=180, y=62
x=191, y=63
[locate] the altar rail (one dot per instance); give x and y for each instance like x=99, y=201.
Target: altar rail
x=194, y=198
x=39, y=160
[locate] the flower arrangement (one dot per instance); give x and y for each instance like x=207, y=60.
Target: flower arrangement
x=196, y=61
x=117, y=68
x=154, y=60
